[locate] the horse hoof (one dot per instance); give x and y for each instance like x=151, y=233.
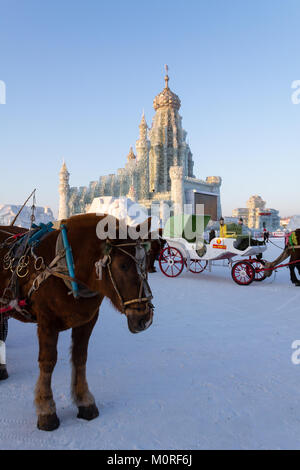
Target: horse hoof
x=48, y=422
x=3, y=373
x=88, y=412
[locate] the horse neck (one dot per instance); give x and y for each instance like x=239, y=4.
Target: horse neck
x=86, y=251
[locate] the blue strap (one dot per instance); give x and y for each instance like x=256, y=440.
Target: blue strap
x=41, y=230
x=69, y=259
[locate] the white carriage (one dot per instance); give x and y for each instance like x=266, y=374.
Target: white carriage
x=186, y=247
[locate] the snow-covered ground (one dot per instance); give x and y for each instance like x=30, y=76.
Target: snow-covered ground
x=214, y=371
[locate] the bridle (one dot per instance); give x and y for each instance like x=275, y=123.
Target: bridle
x=141, y=265
x=145, y=294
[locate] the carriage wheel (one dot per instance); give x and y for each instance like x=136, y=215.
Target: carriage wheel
x=257, y=265
x=198, y=265
x=243, y=273
x=171, y=262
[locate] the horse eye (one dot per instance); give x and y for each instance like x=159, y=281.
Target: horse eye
x=124, y=267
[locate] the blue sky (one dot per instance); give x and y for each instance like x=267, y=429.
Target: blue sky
x=79, y=74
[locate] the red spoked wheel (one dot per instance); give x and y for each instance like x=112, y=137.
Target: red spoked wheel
x=171, y=262
x=258, y=265
x=243, y=273
x=198, y=265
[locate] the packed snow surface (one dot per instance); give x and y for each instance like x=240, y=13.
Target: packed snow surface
x=214, y=371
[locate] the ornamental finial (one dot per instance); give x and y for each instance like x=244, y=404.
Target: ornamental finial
x=64, y=167
x=167, y=76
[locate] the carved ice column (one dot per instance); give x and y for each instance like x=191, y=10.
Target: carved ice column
x=142, y=157
x=131, y=170
x=177, y=189
x=164, y=212
x=64, y=189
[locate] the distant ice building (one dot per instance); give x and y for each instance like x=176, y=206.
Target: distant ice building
x=8, y=213
x=294, y=223
x=121, y=208
x=284, y=221
x=256, y=216
x=159, y=171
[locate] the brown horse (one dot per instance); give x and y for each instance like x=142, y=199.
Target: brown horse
x=291, y=251
x=122, y=280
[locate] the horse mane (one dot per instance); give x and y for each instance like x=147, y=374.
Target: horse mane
x=82, y=221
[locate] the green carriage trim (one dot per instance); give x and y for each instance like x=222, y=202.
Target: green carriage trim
x=235, y=231
x=189, y=227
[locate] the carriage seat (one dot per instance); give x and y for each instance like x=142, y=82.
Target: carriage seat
x=241, y=243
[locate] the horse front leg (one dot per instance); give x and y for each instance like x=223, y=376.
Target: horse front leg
x=45, y=405
x=81, y=395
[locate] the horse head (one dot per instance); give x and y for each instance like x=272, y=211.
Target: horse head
x=291, y=250
x=124, y=265
x=116, y=260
